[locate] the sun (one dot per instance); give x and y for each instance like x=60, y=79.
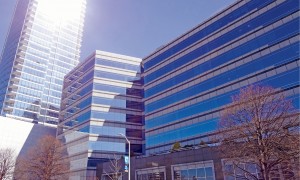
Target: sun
x=61, y=10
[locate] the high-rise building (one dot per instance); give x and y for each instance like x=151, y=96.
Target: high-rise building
x=190, y=80
x=42, y=46
x=102, y=98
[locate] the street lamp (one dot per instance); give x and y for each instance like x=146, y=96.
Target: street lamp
x=128, y=154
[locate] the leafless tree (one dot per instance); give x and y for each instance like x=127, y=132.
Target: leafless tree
x=7, y=163
x=259, y=132
x=115, y=169
x=45, y=161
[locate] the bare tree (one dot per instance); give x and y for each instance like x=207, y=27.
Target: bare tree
x=259, y=134
x=45, y=161
x=7, y=163
x=115, y=169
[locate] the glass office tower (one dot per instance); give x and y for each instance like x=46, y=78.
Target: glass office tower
x=102, y=97
x=188, y=81
x=42, y=46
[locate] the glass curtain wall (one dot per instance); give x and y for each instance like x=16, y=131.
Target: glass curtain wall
x=42, y=46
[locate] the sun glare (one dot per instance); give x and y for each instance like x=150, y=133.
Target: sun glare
x=60, y=10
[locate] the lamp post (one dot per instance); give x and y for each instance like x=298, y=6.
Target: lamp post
x=128, y=154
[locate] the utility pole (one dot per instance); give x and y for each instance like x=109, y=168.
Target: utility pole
x=128, y=154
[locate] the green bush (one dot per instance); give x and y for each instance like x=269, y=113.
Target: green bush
x=176, y=146
x=203, y=144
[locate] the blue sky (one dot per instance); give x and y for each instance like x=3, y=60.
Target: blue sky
x=132, y=27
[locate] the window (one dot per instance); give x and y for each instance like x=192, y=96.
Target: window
x=157, y=173
x=194, y=171
x=246, y=170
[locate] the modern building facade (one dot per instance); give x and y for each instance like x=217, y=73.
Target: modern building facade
x=42, y=46
x=198, y=163
x=102, y=97
x=190, y=80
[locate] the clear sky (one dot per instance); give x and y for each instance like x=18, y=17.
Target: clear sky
x=132, y=27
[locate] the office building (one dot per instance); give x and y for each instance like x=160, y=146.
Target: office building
x=201, y=163
x=42, y=46
x=188, y=81
x=102, y=97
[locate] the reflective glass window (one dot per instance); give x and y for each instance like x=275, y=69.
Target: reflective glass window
x=107, y=146
x=117, y=89
x=275, y=35
x=264, y=19
x=120, y=77
x=239, y=12
x=286, y=79
x=118, y=64
x=289, y=52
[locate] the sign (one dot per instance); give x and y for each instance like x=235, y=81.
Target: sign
x=126, y=162
x=126, y=168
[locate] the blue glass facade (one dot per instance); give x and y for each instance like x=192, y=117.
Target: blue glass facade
x=42, y=46
x=102, y=97
x=190, y=80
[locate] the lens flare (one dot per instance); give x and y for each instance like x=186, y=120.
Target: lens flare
x=60, y=10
